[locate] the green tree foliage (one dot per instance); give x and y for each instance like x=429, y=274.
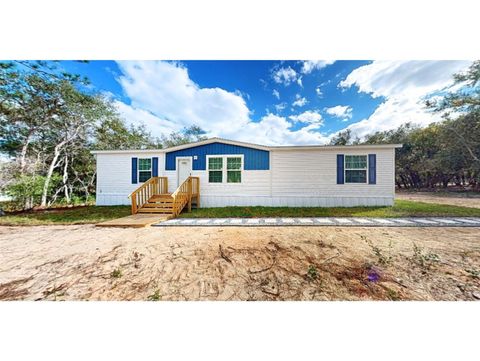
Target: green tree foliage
x=50, y=122
x=113, y=133
x=445, y=152
x=48, y=125
x=187, y=135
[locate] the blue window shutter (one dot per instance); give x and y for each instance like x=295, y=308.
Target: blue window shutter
x=154, y=167
x=372, y=168
x=134, y=170
x=340, y=167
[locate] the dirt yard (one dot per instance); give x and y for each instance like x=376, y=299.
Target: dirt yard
x=233, y=263
x=472, y=201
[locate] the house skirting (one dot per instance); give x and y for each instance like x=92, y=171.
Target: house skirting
x=267, y=201
x=293, y=201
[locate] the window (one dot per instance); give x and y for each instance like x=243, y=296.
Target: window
x=234, y=170
x=144, y=169
x=218, y=173
x=215, y=170
x=355, y=169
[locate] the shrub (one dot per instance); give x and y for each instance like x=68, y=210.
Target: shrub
x=422, y=258
x=155, y=296
x=312, y=272
x=382, y=258
x=116, y=273
x=25, y=191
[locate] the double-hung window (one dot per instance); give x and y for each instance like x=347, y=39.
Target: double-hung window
x=356, y=169
x=144, y=169
x=215, y=170
x=234, y=169
x=225, y=169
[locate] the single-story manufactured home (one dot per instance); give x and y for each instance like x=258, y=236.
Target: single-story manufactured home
x=232, y=173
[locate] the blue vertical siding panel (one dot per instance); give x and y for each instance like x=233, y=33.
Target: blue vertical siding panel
x=134, y=170
x=340, y=168
x=372, y=168
x=155, y=167
x=254, y=159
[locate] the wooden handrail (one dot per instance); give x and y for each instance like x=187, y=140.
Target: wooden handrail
x=141, y=195
x=159, y=185
x=183, y=194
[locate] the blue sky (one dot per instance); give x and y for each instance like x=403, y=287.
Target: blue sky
x=271, y=102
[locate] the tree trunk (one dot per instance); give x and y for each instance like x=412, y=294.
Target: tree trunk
x=51, y=168
x=65, y=180
x=23, y=153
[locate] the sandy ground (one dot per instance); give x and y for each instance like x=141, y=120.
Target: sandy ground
x=454, y=200
x=234, y=263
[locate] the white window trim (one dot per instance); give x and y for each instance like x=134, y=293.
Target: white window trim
x=345, y=169
x=224, y=168
x=138, y=169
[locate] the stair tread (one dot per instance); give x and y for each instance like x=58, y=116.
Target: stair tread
x=158, y=205
x=157, y=196
x=155, y=210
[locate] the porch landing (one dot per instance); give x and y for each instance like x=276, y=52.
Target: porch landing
x=136, y=220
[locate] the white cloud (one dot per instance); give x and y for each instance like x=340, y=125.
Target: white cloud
x=165, y=90
x=310, y=117
x=281, y=106
x=404, y=85
x=284, y=76
x=276, y=94
x=276, y=130
x=299, y=81
x=299, y=101
x=310, y=65
x=391, y=114
x=165, y=98
x=318, y=90
x=136, y=116
x=340, y=111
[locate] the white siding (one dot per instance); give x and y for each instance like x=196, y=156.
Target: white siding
x=114, y=177
x=314, y=173
x=255, y=185
x=296, y=178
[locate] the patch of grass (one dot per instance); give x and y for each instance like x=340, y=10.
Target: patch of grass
x=96, y=214
x=382, y=258
x=473, y=273
x=155, y=296
x=392, y=294
x=312, y=272
x=402, y=208
x=116, y=273
x=79, y=215
x=424, y=259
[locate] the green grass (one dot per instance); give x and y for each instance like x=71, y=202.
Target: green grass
x=93, y=214
x=80, y=215
x=400, y=209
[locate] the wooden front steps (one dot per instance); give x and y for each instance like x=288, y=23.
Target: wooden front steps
x=153, y=197
x=151, y=202
x=161, y=203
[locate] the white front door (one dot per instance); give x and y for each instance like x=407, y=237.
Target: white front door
x=184, y=169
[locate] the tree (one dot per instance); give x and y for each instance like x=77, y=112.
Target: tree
x=342, y=138
x=187, y=135
x=113, y=133
x=49, y=124
x=463, y=105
